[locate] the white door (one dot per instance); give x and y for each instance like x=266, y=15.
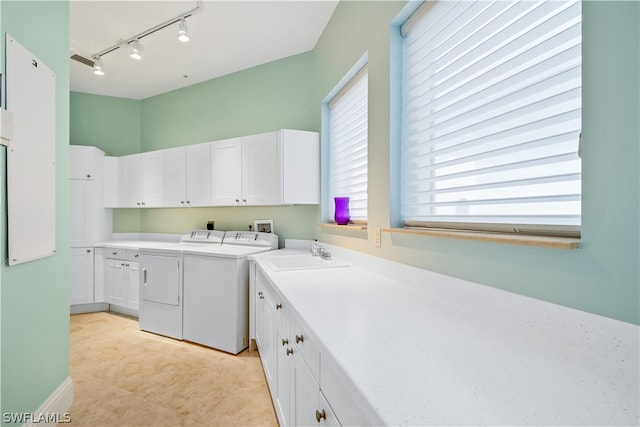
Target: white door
x=199, y=174
x=175, y=177
x=160, y=279
x=133, y=284
x=153, y=179
x=261, y=169
x=284, y=359
x=226, y=172
x=115, y=286
x=81, y=277
x=131, y=181
x=81, y=213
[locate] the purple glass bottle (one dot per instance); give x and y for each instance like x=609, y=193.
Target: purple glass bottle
x=342, y=210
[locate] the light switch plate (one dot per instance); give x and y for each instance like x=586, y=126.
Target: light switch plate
x=377, y=239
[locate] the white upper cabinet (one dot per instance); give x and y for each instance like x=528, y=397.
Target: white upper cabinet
x=175, y=177
x=153, y=179
x=130, y=181
x=226, y=172
x=187, y=176
x=271, y=168
x=82, y=162
x=141, y=180
x=111, y=182
x=300, y=167
x=261, y=169
x=199, y=174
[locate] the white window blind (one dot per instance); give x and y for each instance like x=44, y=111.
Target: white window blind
x=348, y=127
x=491, y=116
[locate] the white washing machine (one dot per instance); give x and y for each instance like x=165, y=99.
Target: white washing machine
x=161, y=284
x=216, y=289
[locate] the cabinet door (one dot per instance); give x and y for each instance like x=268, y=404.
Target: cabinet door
x=81, y=278
x=175, y=177
x=300, y=167
x=81, y=213
x=153, y=179
x=111, y=182
x=283, y=389
x=199, y=174
x=81, y=162
x=226, y=172
x=309, y=407
x=133, y=284
x=130, y=181
x=115, y=286
x=265, y=330
x=261, y=170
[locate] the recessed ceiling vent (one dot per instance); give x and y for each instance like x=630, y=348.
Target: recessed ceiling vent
x=86, y=61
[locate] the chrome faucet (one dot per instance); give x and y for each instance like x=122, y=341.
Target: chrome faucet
x=315, y=249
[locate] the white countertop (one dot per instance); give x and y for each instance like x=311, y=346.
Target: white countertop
x=435, y=350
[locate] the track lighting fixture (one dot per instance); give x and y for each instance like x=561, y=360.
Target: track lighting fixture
x=97, y=66
x=136, y=49
x=134, y=42
x=183, y=35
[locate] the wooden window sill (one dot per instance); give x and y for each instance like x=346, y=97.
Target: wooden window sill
x=346, y=227
x=516, y=239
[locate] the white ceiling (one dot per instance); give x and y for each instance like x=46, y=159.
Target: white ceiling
x=226, y=36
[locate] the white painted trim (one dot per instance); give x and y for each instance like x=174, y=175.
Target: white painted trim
x=88, y=308
x=57, y=405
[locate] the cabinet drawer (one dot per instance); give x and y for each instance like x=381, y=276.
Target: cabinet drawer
x=115, y=253
x=305, y=344
x=133, y=255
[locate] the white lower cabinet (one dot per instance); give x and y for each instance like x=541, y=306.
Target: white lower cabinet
x=122, y=278
x=290, y=360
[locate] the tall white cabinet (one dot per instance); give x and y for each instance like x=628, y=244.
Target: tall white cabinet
x=90, y=221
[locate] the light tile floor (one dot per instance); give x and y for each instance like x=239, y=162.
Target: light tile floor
x=126, y=377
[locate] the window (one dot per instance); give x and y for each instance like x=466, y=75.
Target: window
x=347, y=128
x=491, y=116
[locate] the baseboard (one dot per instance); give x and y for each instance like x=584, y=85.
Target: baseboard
x=124, y=310
x=88, y=308
x=55, y=409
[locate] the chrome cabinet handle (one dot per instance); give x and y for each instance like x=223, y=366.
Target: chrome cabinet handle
x=88, y=251
x=144, y=276
x=289, y=351
x=285, y=341
x=114, y=253
x=278, y=306
x=299, y=338
x=320, y=415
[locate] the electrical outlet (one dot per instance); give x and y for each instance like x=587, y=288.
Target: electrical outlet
x=377, y=239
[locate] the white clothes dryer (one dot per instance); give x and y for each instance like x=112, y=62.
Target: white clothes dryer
x=161, y=284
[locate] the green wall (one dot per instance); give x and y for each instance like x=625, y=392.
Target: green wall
x=603, y=275
x=34, y=302
x=109, y=123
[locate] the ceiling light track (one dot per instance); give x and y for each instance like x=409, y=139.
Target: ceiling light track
x=134, y=41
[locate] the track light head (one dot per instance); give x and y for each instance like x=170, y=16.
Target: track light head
x=183, y=34
x=97, y=66
x=136, y=50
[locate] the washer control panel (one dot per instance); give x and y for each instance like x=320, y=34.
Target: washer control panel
x=203, y=236
x=251, y=238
